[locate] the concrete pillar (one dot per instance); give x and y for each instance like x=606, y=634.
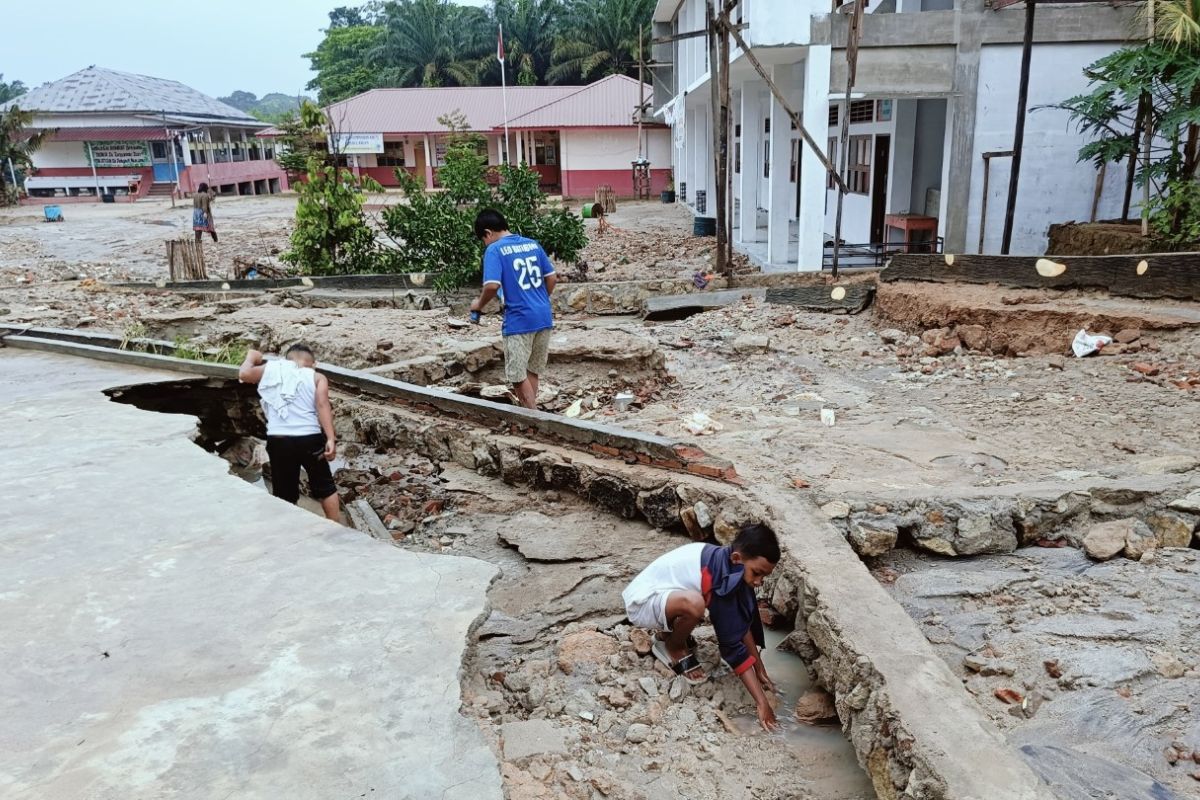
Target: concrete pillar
x=779, y=186
x=813, y=178
x=688, y=160
x=752, y=124
x=428, y=161
x=228, y=148
x=704, y=160
x=900, y=176
x=960, y=123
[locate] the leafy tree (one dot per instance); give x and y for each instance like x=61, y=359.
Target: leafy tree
x=530, y=27
x=17, y=145
x=434, y=231
x=332, y=235
x=8, y=91
x=601, y=38
x=1153, y=87
x=303, y=141
x=340, y=62
x=432, y=43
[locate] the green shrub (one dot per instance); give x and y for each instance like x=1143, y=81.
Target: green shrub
x=332, y=235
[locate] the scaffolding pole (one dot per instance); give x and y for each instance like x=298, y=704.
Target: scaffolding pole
x=852, y=40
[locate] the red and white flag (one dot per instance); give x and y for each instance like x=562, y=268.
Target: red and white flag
x=500, y=45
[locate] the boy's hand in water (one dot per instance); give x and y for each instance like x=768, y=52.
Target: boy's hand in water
x=766, y=717
x=761, y=671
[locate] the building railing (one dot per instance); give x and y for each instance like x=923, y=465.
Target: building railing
x=875, y=255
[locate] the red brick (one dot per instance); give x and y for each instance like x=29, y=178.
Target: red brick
x=690, y=453
x=707, y=470
x=606, y=450
x=667, y=464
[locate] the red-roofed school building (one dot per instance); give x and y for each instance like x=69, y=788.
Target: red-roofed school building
x=576, y=137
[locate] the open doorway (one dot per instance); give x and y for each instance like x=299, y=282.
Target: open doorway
x=879, y=186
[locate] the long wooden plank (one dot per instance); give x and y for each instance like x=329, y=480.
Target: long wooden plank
x=1154, y=276
x=852, y=299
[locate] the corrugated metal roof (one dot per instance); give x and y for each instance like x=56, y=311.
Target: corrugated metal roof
x=98, y=89
x=109, y=135
x=607, y=103
x=417, y=110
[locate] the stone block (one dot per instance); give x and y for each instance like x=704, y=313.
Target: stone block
x=532, y=737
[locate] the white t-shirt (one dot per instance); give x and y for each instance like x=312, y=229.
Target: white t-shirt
x=678, y=570
x=289, y=399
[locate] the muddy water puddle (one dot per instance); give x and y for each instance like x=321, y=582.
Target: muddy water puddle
x=836, y=771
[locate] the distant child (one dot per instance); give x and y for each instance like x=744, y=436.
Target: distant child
x=672, y=594
x=295, y=399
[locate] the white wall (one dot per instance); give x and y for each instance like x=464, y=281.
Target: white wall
x=60, y=154
x=614, y=148
x=779, y=22
x=1054, y=187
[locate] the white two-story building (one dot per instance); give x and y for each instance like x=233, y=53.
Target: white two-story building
x=936, y=91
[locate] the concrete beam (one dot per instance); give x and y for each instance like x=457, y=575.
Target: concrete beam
x=915, y=729
x=917, y=71
x=607, y=440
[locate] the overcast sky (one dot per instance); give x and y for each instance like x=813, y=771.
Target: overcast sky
x=215, y=46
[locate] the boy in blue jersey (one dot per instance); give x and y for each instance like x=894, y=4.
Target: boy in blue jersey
x=520, y=271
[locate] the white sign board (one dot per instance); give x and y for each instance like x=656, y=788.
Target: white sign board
x=355, y=143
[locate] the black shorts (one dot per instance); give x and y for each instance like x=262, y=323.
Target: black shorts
x=288, y=454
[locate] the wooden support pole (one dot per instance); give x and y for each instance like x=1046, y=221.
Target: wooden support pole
x=1099, y=190
x=787, y=108
x=719, y=137
x=1133, y=160
x=1019, y=133
x=852, y=39
x=726, y=124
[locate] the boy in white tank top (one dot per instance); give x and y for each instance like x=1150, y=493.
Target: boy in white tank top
x=295, y=399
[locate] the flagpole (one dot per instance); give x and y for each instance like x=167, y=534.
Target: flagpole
x=504, y=93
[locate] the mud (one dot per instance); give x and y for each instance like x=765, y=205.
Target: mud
x=1097, y=660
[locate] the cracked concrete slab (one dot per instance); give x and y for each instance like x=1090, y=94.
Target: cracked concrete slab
x=172, y=630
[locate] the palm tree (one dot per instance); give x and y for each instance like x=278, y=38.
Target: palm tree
x=601, y=38
x=431, y=43
x=17, y=147
x=1176, y=22
x=10, y=90
x=530, y=28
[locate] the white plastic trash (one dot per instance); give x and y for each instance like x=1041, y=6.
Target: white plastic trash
x=622, y=401
x=699, y=423
x=1085, y=343
x=828, y=417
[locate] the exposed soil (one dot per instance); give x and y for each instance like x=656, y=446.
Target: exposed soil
x=1097, y=239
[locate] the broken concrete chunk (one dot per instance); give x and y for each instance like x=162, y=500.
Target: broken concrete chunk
x=660, y=507
x=892, y=336
x=1105, y=540
x=1189, y=503
x=637, y=733
x=649, y=685
x=836, y=509
x=1167, y=664
x=752, y=343
x=585, y=648
x=1139, y=540
x=973, y=337
x=1171, y=530
x=816, y=708
x=531, y=737
x=703, y=516
x=872, y=537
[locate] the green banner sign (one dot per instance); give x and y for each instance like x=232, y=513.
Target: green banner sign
x=117, y=154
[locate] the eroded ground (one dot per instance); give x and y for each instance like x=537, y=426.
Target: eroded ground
x=928, y=445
